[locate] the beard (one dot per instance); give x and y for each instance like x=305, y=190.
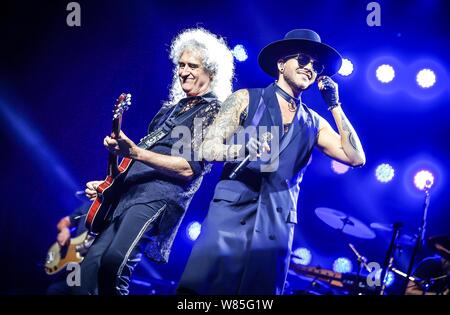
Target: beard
x=297, y=86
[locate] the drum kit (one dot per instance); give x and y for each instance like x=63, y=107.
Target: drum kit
x=358, y=283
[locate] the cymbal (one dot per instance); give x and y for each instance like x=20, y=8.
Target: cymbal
x=406, y=240
x=386, y=227
x=345, y=223
x=382, y=226
x=402, y=240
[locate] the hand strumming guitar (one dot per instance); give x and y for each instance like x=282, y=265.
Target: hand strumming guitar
x=64, y=232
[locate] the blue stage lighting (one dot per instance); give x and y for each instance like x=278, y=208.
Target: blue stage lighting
x=423, y=179
x=33, y=140
x=342, y=265
x=426, y=78
x=302, y=256
x=338, y=167
x=240, y=53
x=385, y=73
x=390, y=278
x=346, y=67
x=193, y=230
x=384, y=173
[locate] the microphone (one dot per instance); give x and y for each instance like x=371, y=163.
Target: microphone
x=265, y=138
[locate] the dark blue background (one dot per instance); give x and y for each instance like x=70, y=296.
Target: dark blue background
x=58, y=85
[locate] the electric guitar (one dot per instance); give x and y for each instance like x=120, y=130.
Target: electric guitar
x=110, y=189
x=58, y=257
x=99, y=210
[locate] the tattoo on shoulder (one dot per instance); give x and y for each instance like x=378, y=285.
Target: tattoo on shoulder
x=235, y=103
x=228, y=119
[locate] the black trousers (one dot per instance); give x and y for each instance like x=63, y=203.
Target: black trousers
x=107, y=267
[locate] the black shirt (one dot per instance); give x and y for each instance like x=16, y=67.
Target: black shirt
x=144, y=184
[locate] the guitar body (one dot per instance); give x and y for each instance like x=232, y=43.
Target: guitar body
x=59, y=256
x=107, y=197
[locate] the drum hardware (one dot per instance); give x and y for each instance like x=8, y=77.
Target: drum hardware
x=420, y=234
x=344, y=223
x=362, y=262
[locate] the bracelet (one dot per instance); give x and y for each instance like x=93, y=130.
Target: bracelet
x=337, y=104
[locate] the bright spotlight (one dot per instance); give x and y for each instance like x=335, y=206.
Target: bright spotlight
x=193, y=230
x=385, y=73
x=389, y=277
x=240, y=53
x=346, y=67
x=384, y=173
x=426, y=78
x=338, y=167
x=302, y=256
x=424, y=180
x=342, y=265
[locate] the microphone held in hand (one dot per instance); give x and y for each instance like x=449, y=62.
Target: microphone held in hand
x=265, y=139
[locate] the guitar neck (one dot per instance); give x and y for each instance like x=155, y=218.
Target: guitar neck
x=112, y=158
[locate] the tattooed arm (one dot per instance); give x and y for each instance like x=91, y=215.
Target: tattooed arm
x=345, y=146
x=224, y=126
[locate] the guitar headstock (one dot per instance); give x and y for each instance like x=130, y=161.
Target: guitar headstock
x=122, y=104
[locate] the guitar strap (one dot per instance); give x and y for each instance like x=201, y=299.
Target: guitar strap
x=173, y=120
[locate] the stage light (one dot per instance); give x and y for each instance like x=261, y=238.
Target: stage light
x=385, y=73
x=426, y=78
x=423, y=179
x=342, y=265
x=338, y=167
x=240, y=53
x=384, y=173
x=302, y=256
x=390, y=278
x=346, y=67
x=31, y=138
x=193, y=230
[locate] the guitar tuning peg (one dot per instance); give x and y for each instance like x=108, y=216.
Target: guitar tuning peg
x=128, y=103
x=128, y=95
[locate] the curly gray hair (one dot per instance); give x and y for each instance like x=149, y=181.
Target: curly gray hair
x=217, y=60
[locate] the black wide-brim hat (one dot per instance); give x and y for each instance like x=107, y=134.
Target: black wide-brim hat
x=296, y=41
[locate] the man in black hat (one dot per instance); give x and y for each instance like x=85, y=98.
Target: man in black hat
x=246, y=239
